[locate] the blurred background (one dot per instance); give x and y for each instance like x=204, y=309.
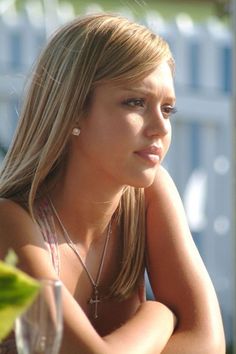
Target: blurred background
x=201, y=36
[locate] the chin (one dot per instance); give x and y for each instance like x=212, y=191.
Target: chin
x=144, y=181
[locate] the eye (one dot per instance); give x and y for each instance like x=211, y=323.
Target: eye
x=135, y=102
x=168, y=110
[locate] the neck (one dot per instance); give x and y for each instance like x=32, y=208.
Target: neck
x=85, y=212
x=85, y=197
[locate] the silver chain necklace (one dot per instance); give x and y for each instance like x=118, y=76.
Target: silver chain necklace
x=95, y=298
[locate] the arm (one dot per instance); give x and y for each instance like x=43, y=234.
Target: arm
x=147, y=332
x=177, y=274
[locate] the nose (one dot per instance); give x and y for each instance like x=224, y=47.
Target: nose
x=157, y=124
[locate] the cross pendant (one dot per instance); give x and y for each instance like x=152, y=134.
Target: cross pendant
x=94, y=301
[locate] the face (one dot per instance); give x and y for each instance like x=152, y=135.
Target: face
x=127, y=131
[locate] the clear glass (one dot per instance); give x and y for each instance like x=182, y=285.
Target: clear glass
x=39, y=329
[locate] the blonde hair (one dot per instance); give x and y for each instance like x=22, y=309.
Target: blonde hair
x=87, y=52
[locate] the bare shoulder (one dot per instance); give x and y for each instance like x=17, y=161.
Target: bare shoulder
x=163, y=183
x=9, y=209
x=19, y=232
x=13, y=215
x=13, y=219
x=163, y=194
x=166, y=219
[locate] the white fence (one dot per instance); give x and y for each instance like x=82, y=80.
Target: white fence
x=200, y=157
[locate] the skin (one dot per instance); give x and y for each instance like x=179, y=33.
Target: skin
x=111, y=153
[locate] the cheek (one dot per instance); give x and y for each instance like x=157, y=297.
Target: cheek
x=133, y=123
x=124, y=126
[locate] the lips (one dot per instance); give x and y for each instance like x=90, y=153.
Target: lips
x=151, y=154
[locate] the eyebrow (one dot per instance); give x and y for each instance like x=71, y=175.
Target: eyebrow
x=145, y=91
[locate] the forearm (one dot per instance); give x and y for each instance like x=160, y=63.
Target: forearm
x=192, y=342
x=200, y=330
x=200, y=333
x=146, y=333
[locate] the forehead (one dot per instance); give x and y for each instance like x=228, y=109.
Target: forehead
x=158, y=82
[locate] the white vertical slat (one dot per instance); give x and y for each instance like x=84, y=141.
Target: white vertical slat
x=183, y=29
x=179, y=152
x=214, y=33
x=6, y=124
x=30, y=32
x=4, y=43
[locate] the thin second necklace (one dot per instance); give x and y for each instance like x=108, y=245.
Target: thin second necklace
x=95, y=298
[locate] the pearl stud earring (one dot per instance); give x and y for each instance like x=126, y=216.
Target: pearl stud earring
x=76, y=131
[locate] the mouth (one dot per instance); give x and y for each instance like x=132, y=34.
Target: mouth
x=151, y=154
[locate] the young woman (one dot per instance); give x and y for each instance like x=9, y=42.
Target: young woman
x=85, y=198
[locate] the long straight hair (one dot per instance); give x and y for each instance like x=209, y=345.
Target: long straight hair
x=87, y=52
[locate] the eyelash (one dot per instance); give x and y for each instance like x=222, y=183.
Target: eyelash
x=134, y=102
x=167, y=110
x=170, y=110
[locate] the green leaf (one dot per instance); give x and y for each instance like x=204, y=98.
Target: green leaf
x=17, y=291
